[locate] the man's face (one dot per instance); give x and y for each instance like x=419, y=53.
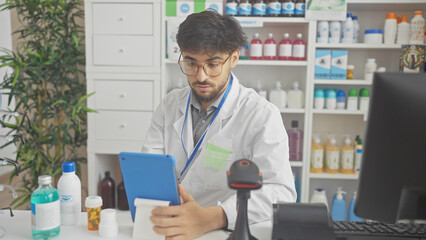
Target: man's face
x=204, y=87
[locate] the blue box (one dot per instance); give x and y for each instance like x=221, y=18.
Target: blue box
x=322, y=64
x=339, y=64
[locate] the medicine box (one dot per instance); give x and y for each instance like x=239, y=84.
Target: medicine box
x=322, y=64
x=339, y=64
x=183, y=8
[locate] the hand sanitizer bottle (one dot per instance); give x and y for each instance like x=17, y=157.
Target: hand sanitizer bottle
x=278, y=96
x=332, y=156
x=317, y=155
x=338, y=207
x=296, y=98
x=348, y=154
x=352, y=217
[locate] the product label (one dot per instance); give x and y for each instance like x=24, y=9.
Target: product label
x=259, y=9
x=274, y=8
x=285, y=50
x=231, y=8
x=347, y=159
x=244, y=9
x=299, y=50
x=287, y=8
x=45, y=216
x=317, y=158
x=322, y=64
x=332, y=160
x=67, y=204
x=299, y=9
x=358, y=157
x=256, y=50
x=339, y=64
x=270, y=50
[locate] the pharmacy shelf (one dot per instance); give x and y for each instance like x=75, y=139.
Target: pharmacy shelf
x=293, y=110
x=259, y=63
x=361, y=82
x=296, y=163
x=338, y=112
x=333, y=176
x=388, y=5
x=358, y=46
x=267, y=20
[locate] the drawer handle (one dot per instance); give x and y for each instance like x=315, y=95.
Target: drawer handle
x=123, y=95
x=123, y=125
x=121, y=50
x=121, y=19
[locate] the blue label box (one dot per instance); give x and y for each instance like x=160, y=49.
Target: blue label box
x=322, y=64
x=339, y=64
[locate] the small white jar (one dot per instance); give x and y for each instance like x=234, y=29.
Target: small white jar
x=374, y=36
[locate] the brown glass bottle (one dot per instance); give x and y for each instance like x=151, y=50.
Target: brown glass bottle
x=122, y=202
x=107, y=191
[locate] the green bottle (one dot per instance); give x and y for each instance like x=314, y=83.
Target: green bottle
x=45, y=209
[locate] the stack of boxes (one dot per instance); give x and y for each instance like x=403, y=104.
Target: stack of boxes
x=331, y=64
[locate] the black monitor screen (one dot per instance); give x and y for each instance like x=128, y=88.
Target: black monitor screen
x=394, y=154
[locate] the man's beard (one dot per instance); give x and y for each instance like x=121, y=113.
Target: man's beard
x=212, y=96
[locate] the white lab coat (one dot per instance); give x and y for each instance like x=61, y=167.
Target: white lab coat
x=250, y=127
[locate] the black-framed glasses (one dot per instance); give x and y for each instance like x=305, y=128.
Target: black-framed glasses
x=14, y=114
x=7, y=161
x=211, y=68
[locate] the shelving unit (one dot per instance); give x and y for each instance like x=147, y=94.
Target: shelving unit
x=333, y=176
x=358, y=46
x=342, y=82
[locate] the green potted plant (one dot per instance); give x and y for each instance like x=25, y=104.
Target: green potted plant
x=47, y=82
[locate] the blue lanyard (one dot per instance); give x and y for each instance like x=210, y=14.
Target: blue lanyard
x=202, y=137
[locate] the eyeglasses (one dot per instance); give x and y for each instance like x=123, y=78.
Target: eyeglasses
x=211, y=68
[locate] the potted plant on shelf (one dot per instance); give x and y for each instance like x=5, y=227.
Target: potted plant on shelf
x=47, y=82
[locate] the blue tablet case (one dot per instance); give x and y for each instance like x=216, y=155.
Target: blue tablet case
x=150, y=176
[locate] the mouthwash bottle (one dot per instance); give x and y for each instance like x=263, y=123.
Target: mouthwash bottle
x=45, y=209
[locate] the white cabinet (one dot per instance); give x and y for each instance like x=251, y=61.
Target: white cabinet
x=123, y=68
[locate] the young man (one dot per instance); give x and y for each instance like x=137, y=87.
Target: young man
x=209, y=125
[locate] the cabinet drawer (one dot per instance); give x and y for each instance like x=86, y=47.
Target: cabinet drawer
x=123, y=51
x=116, y=125
x=129, y=18
x=124, y=95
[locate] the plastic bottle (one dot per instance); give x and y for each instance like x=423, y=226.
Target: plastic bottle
x=297, y=186
x=107, y=191
x=244, y=52
x=335, y=32
x=259, y=8
x=350, y=72
x=231, y=8
x=122, y=202
x=259, y=89
x=45, y=209
x=347, y=159
x=317, y=155
x=295, y=98
x=338, y=207
x=390, y=28
x=358, y=156
x=348, y=29
x=332, y=156
x=274, y=8
x=108, y=226
x=319, y=101
x=322, y=32
x=295, y=141
x=299, y=47
x=93, y=205
x=352, y=217
x=364, y=99
x=285, y=48
x=341, y=99
x=278, y=96
x=352, y=100
x=299, y=8
x=370, y=68
x=256, y=48
x=403, y=32
x=417, y=28
x=245, y=8
x=287, y=8
x=270, y=48
x=356, y=29
x=330, y=99
x=319, y=196
x=69, y=187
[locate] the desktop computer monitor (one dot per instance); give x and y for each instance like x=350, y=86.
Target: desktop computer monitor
x=394, y=157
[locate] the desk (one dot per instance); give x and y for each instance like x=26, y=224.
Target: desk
x=19, y=228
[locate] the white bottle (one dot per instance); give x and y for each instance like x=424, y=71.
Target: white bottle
x=370, y=68
x=352, y=100
x=319, y=196
x=296, y=98
x=335, y=32
x=417, y=28
x=390, y=28
x=259, y=89
x=278, y=96
x=356, y=29
x=322, y=32
x=348, y=29
x=69, y=187
x=403, y=32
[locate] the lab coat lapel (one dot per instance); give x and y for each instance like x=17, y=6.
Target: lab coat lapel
x=187, y=132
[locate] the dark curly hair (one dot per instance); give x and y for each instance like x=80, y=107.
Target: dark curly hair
x=210, y=32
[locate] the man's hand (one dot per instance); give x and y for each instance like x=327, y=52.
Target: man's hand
x=187, y=221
